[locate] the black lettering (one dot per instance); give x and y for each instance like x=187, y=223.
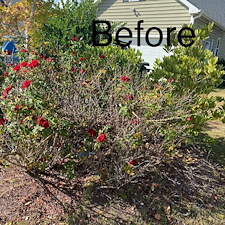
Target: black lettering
x=106, y=32
x=180, y=36
x=138, y=28
x=160, y=37
x=169, y=31
x=118, y=37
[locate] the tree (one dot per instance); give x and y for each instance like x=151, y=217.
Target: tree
x=24, y=18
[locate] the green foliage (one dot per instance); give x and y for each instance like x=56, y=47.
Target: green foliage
x=73, y=19
x=98, y=113
x=192, y=66
x=221, y=61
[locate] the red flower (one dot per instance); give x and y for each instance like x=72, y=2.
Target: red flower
x=75, y=38
x=17, y=107
x=170, y=80
x=23, y=64
x=33, y=63
x=102, y=56
x=6, y=74
x=74, y=69
x=34, y=117
x=2, y=121
x=125, y=79
x=26, y=84
x=50, y=59
x=42, y=56
x=189, y=118
x=24, y=71
x=16, y=68
x=101, y=137
x=133, y=162
x=6, y=91
x=83, y=71
x=134, y=121
x=24, y=50
x=129, y=97
x=9, y=52
x=92, y=132
x=42, y=122
x=81, y=59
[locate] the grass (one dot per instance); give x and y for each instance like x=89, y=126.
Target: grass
x=216, y=130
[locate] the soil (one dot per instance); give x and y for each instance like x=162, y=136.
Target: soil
x=51, y=199
x=24, y=199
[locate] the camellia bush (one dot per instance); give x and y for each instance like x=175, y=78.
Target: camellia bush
x=88, y=108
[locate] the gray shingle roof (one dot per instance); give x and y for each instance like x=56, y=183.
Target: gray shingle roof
x=214, y=9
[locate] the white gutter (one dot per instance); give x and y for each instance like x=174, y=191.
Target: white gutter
x=193, y=18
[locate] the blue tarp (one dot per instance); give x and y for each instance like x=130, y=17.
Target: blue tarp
x=9, y=46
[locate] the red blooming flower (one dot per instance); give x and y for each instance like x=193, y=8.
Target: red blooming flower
x=134, y=121
x=17, y=107
x=101, y=137
x=16, y=68
x=170, y=80
x=33, y=63
x=9, y=52
x=42, y=56
x=83, y=71
x=125, y=79
x=23, y=64
x=189, y=118
x=42, y=122
x=102, y=56
x=6, y=91
x=75, y=38
x=129, y=97
x=6, y=74
x=92, y=132
x=24, y=50
x=50, y=59
x=133, y=162
x=81, y=59
x=26, y=84
x=24, y=71
x=2, y=121
x=74, y=69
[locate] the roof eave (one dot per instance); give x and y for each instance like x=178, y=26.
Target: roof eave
x=211, y=20
x=192, y=8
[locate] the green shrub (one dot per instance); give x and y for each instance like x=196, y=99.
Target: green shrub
x=86, y=107
x=73, y=19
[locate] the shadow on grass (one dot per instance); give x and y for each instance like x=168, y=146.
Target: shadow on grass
x=218, y=151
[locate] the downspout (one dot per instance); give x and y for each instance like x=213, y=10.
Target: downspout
x=193, y=18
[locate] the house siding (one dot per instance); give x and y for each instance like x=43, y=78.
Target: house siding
x=155, y=13
x=214, y=35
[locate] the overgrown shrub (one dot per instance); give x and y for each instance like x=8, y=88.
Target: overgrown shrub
x=88, y=108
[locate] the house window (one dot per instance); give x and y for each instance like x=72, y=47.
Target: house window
x=209, y=45
x=216, y=50
x=133, y=0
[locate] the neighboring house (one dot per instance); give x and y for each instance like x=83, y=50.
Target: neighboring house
x=164, y=14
